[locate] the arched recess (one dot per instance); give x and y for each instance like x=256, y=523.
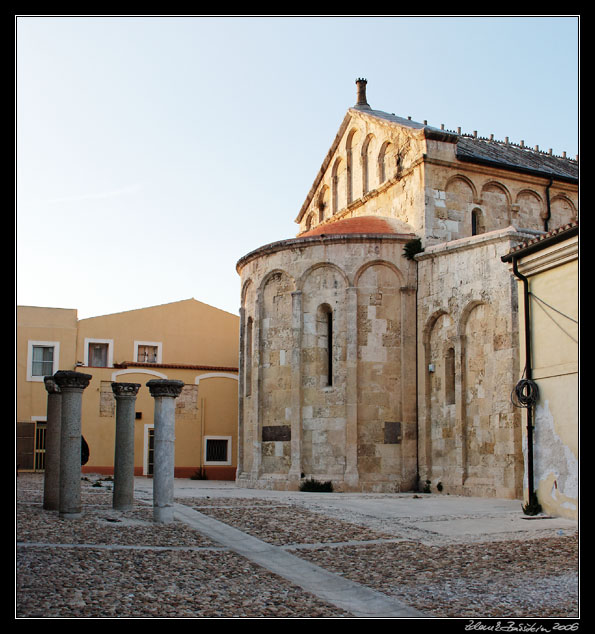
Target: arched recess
x=461, y=184
x=275, y=346
x=563, y=211
x=323, y=370
x=390, y=265
x=120, y=373
x=351, y=142
x=337, y=177
x=322, y=202
x=440, y=438
x=479, y=389
x=461, y=199
x=247, y=425
x=496, y=202
x=365, y=160
x=530, y=210
x=385, y=169
x=301, y=282
x=382, y=429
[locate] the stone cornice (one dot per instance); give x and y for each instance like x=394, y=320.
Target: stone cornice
x=549, y=257
x=300, y=243
x=509, y=234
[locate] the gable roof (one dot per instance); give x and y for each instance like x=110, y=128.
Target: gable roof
x=469, y=148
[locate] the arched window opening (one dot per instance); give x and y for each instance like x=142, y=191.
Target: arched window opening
x=325, y=344
x=449, y=376
x=477, y=225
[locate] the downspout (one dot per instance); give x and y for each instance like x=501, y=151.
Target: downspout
x=527, y=399
x=548, y=205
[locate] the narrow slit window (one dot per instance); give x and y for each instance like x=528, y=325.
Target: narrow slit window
x=329, y=346
x=248, y=359
x=449, y=378
x=325, y=344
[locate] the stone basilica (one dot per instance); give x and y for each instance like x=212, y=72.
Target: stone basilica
x=380, y=346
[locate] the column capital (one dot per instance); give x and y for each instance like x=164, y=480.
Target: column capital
x=165, y=387
x=69, y=379
x=50, y=385
x=126, y=390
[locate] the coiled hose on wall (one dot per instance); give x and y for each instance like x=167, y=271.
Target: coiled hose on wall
x=525, y=393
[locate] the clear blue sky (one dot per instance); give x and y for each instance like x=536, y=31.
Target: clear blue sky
x=153, y=152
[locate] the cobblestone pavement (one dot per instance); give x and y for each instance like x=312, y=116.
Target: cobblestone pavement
x=121, y=564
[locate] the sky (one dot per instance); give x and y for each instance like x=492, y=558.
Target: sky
x=153, y=152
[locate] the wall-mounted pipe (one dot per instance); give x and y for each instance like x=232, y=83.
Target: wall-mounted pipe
x=529, y=378
x=548, y=210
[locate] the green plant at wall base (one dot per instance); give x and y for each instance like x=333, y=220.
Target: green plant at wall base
x=427, y=487
x=314, y=486
x=412, y=248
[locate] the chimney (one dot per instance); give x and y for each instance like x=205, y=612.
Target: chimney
x=361, y=94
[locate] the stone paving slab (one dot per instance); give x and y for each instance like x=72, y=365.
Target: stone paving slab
x=360, y=601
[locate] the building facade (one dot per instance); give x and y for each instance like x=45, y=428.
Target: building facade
x=547, y=272
x=186, y=340
x=379, y=346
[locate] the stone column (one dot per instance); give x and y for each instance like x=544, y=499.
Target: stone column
x=164, y=392
x=71, y=386
x=125, y=395
x=51, y=476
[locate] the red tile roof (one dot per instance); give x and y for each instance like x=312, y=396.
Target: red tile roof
x=543, y=240
x=362, y=225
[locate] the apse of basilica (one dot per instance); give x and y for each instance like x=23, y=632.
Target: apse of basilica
x=379, y=346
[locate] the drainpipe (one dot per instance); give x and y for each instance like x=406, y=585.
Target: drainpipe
x=549, y=207
x=527, y=400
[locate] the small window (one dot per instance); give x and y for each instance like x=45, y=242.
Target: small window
x=42, y=359
x=217, y=450
x=98, y=355
x=147, y=352
x=477, y=224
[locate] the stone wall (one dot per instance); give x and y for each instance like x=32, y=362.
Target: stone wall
x=470, y=433
x=327, y=324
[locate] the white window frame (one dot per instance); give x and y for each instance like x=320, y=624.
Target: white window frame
x=157, y=344
x=110, y=350
x=42, y=344
x=209, y=463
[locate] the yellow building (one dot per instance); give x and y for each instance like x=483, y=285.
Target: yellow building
x=186, y=340
x=547, y=273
